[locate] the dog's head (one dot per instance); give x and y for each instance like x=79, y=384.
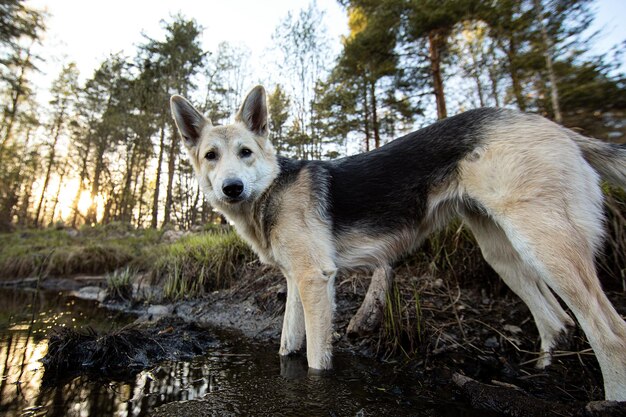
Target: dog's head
x=235, y=163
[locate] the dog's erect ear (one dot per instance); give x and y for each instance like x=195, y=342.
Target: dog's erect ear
x=253, y=112
x=189, y=121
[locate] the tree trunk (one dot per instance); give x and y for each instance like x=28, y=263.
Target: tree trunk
x=366, y=115
x=511, y=52
x=375, y=126
x=207, y=211
x=56, y=197
x=7, y=209
x=493, y=77
x=142, y=190
x=76, y=201
x=106, y=213
x=126, y=190
x=194, y=212
x=554, y=92
x=133, y=193
x=22, y=216
x=83, y=174
x=45, y=186
x=476, y=75
x=51, y=157
x=435, y=44
x=171, y=168
x=155, y=200
x=11, y=113
x=494, y=88
x=6, y=212
x=92, y=213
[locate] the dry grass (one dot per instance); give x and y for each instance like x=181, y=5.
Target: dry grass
x=402, y=328
x=613, y=260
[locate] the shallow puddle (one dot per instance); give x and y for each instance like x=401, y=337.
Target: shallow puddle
x=243, y=378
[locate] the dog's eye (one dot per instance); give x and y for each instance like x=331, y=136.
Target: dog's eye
x=211, y=155
x=245, y=152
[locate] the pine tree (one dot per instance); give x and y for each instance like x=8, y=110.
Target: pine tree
x=172, y=63
x=279, y=103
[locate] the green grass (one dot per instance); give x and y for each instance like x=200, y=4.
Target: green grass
x=186, y=268
x=64, y=252
x=200, y=263
x=402, y=328
x=120, y=284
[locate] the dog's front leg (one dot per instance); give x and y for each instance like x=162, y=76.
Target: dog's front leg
x=293, y=323
x=316, y=289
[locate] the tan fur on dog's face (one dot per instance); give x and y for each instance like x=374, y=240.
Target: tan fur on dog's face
x=240, y=152
x=232, y=152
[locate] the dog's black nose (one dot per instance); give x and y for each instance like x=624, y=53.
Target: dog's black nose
x=232, y=188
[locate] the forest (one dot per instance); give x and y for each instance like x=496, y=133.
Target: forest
x=106, y=149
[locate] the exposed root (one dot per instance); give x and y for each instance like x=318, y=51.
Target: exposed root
x=510, y=400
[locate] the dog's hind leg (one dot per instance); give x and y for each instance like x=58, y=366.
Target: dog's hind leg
x=564, y=258
x=369, y=315
x=292, y=336
x=534, y=182
x=550, y=318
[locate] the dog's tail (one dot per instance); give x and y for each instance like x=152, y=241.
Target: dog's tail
x=609, y=159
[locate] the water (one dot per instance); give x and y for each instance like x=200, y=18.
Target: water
x=242, y=378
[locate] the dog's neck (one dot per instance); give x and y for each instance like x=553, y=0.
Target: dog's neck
x=247, y=217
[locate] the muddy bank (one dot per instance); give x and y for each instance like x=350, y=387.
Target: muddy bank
x=254, y=309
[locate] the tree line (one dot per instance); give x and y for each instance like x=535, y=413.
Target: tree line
x=106, y=149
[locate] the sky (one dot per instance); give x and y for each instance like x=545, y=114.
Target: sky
x=86, y=31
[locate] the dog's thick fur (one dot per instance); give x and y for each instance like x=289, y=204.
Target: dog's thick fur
x=526, y=187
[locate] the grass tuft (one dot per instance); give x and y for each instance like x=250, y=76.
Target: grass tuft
x=402, y=329
x=120, y=284
x=199, y=263
x=612, y=260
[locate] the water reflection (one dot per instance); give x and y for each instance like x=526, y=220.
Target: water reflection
x=26, y=317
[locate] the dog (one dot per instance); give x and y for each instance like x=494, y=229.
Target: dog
x=528, y=189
